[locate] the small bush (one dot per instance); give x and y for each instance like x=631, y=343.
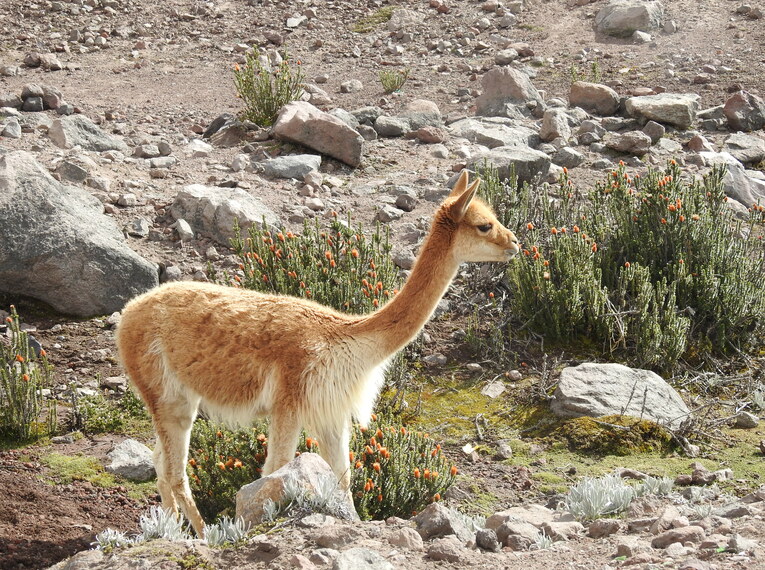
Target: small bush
x=614, y=435
x=98, y=414
x=652, y=268
x=265, y=91
x=25, y=413
x=592, y=498
x=393, y=79
x=395, y=472
x=339, y=266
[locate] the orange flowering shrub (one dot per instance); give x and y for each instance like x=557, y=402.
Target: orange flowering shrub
x=655, y=267
x=25, y=414
x=398, y=472
x=337, y=266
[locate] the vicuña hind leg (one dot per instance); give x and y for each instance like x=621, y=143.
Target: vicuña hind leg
x=283, y=434
x=173, y=421
x=333, y=447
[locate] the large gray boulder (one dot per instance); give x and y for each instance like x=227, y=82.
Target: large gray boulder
x=596, y=390
x=736, y=183
x=505, y=87
x=494, y=131
x=748, y=149
x=527, y=163
x=78, y=130
x=678, y=109
x=212, y=210
x=56, y=244
x=622, y=18
x=302, y=123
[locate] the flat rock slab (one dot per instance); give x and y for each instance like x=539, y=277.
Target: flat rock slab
x=78, y=130
x=622, y=18
x=678, y=109
x=302, y=123
x=494, y=131
x=56, y=244
x=527, y=163
x=604, y=389
x=212, y=210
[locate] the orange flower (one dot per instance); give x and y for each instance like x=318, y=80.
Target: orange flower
x=416, y=473
x=546, y=263
x=368, y=485
x=627, y=264
x=368, y=450
x=193, y=462
x=453, y=470
x=594, y=247
x=8, y=320
x=437, y=497
x=374, y=417
x=376, y=466
x=491, y=295
x=554, y=231
x=663, y=221
x=380, y=498
x=565, y=170
x=355, y=253
x=238, y=464
x=328, y=254
x=219, y=433
x=529, y=226
x=403, y=430
x=426, y=474
x=376, y=303
x=358, y=465
x=350, y=456
x=310, y=442
x=25, y=377
x=221, y=466
x=19, y=358
x=379, y=434
x=576, y=229
x=373, y=441
x=681, y=218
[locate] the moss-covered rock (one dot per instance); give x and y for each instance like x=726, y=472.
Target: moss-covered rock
x=614, y=435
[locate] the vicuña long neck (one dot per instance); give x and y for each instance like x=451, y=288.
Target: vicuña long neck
x=394, y=325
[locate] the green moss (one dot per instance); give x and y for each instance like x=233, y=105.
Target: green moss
x=614, y=435
x=481, y=501
x=64, y=469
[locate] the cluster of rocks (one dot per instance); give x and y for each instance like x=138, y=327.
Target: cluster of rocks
x=684, y=529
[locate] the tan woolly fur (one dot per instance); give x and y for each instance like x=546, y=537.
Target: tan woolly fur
x=239, y=354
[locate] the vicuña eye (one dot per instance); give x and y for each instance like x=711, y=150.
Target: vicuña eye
x=484, y=228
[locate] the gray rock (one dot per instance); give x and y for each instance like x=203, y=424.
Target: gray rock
x=746, y=420
x=351, y=86
x=622, y=18
x=436, y=520
x=517, y=533
x=422, y=113
x=641, y=37
x=291, y=165
x=402, y=19
x=562, y=530
x=603, y=527
x=388, y=213
x=78, y=130
x=139, y=227
x=57, y=246
x=505, y=56
x=604, y=389
x=11, y=128
x=302, y=123
x=308, y=470
x=568, y=157
x=554, y=125
x=737, y=184
x=360, y=559
x=738, y=543
x=448, y=548
x=747, y=149
x=33, y=104
x=593, y=98
x=632, y=142
x=494, y=131
x=183, y=229
x=408, y=538
x=132, y=460
x=163, y=162
x=10, y=100
x=367, y=115
x=212, y=210
x=348, y=118
x=678, y=109
x=528, y=163
x=654, y=130
x=386, y=126
x=72, y=171
x=336, y=536
x=685, y=534
x=503, y=87
x=745, y=111
x=486, y=539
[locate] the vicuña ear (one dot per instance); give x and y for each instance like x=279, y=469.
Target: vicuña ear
x=460, y=185
x=460, y=207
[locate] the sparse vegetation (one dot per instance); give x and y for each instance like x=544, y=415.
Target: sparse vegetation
x=25, y=413
x=393, y=79
x=380, y=16
x=265, y=89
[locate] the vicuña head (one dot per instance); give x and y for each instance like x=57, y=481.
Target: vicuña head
x=238, y=354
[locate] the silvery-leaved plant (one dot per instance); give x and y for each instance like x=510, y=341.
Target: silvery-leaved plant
x=226, y=531
x=592, y=498
x=159, y=523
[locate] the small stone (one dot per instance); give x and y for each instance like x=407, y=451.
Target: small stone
x=493, y=389
x=351, y=86
x=449, y=549
x=406, y=538
x=603, y=527
x=183, y=228
x=486, y=539
x=746, y=420
x=504, y=451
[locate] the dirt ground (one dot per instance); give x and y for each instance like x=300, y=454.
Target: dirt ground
x=165, y=72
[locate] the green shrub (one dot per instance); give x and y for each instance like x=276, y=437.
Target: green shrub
x=25, y=413
x=265, y=91
x=395, y=472
x=98, y=414
x=339, y=266
x=369, y=23
x=653, y=268
x=393, y=79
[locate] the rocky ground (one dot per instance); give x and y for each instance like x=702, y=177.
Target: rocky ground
x=157, y=75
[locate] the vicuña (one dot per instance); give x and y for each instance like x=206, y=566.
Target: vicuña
x=239, y=354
